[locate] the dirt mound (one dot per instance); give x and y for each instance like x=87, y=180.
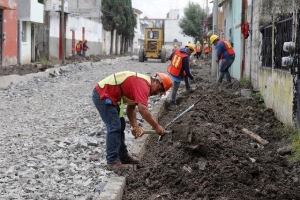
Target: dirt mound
x=209, y=157
x=39, y=67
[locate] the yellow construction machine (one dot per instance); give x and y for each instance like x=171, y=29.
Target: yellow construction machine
x=153, y=45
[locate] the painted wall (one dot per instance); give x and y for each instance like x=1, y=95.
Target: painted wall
x=93, y=33
x=30, y=10
x=54, y=35
x=10, y=23
x=138, y=39
x=253, y=44
x=277, y=89
x=276, y=85
x=232, y=32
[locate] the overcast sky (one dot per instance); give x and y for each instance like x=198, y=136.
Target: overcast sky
x=160, y=8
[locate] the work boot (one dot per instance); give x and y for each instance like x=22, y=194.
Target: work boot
x=115, y=165
x=190, y=90
x=173, y=104
x=129, y=160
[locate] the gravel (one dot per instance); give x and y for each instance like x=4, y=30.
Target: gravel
x=52, y=143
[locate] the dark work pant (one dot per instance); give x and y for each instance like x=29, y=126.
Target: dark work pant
x=176, y=86
x=225, y=65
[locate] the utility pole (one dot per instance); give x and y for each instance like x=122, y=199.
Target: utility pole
x=63, y=30
x=215, y=32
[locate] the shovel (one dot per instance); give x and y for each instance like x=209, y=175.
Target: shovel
x=180, y=115
x=142, y=131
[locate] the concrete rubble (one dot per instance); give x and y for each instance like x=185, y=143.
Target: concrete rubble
x=52, y=142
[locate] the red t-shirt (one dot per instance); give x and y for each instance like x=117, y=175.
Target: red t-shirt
x=134, y=88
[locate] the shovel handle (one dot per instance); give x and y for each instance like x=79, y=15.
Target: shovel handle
x=153, y=131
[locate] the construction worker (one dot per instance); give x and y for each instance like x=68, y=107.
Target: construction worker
x=174, y=48
x=198, y=50
x=79, y=47
x=84, y=48
x=206, y=48
x=133, y=89
x=225, y=56
x=179, y=69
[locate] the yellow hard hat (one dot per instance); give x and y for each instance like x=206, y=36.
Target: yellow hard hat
x=213, y=38
x=191, y=47
x=175, y=45
x=205, y=42
x=198, y=42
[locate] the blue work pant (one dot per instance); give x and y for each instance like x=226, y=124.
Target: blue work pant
x=115, y=126
x=225, y=65
x=175, y=88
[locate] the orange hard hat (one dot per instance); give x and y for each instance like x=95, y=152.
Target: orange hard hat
x=165, y=80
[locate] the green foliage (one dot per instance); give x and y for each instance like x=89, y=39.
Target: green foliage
x=118, y=15
x=191, y=23
x=43, y=60
x=293, y=136
x=296, y=145
x=245, y=82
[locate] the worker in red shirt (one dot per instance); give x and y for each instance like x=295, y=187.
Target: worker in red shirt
x=133, y=89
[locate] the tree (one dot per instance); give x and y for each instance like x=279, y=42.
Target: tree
x=118, y=15
x=107, y=18
x=191, y=23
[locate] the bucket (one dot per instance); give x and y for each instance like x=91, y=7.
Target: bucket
x=246, y=92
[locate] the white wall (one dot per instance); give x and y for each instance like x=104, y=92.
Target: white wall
x=172, y=31
x=36, y=12
x=93, y=33
x=138, y=39
x=25, y=51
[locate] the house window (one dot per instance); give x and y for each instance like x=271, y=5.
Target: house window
x=24, y=32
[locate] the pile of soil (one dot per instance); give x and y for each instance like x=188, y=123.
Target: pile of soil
x=40, y=67
x=209, y=157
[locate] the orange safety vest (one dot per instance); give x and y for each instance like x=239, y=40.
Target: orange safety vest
x=176, y=63
x=228, y=47
x=206, y=48
x=78, y=46
x=198, y=47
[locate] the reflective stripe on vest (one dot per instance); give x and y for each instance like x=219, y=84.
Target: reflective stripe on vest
x=118, y=78
x=78, y=47
x=176, y=63
x=206, y=48
x=198, y=48
x=228, y=48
